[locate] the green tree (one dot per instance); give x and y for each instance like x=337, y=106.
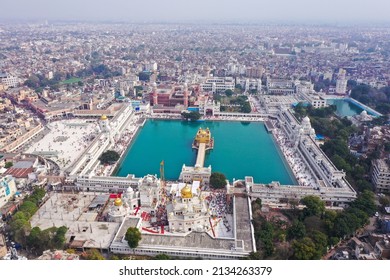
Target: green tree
x=384, y=201
x=217, y=180
x=256, y=204
x=246, y=108
x=366, y=202
x=229, y=92
x=255, y=256
x=314, y=205
x=34, y=240
x=20, y=229
x=342, y=226
x=133, y=236
x=92, y=254
x=296, y=231
x=320, y=241
x=108, y=157
x=28, y=207
x=329, y=218
x=191, y=115
x=305, y=249
x=8, y=164
x=265, y=239
x=59, y=237
x=162, y=257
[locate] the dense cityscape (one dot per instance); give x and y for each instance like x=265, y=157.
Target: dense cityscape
x=87, y=110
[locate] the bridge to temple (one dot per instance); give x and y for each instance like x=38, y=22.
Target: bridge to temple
x=201, y=155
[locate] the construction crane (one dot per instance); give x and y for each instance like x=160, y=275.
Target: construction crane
x=162, y=178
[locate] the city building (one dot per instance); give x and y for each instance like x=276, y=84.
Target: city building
x=7, y=189
x=169, y=96
x=188, y=210
x=280, y=86
x=341, y=82
x=9, y=80
x=218, y=85
x=380, y=175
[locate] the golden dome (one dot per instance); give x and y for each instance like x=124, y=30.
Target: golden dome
x=118, y=202
x=103, y=118
x=186, y=192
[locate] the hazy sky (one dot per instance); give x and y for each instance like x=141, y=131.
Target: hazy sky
x=211, y=10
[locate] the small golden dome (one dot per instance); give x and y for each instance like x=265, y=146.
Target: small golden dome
x=186, y=192
x=103, y=118
x=118, y=202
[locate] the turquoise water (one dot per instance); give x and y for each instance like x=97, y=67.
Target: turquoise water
x=345, y=108
x=241, y=149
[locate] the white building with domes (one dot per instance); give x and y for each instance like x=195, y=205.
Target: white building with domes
x=149, y=191
x=187, y=211
x=104, y=124
x=307, y=128
x=117, y=211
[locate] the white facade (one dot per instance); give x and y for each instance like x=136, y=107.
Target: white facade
x=209, y=106
x=330, y=183
x=280, y=86
x=149, y=190
x=7, y=189
x=304, y=87
x=380, y=176
x=341, y=83
x=188, y=211
x=10, y=81
x=190, y=173
x=318, y=103
x=216, y=85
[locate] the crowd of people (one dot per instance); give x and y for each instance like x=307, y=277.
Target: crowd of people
x=299, y=168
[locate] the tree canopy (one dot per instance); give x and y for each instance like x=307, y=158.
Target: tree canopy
x=108, y=157
x=229, y=92
x=314, y=205
x=133, y=237
x=217, y=180
x=92, y=254
x=305, y=249
x=191, y=115
x=51, y=238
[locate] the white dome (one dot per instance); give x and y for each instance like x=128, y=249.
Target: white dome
x=306, y=120
x=130, y=190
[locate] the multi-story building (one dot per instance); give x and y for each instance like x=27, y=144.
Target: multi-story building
x=254, y=72
x=9, y=80
x=216, y=85
x=317, y=101
x=380, y=175
x=169, y=96
x=280, y=86
x=341, y=83
x=7, y=189
x=209, y=107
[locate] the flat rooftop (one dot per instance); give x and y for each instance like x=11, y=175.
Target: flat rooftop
x=243, y=222
x=192, y=240
x=129, y=222
x=66, y=140
x=72, y=211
